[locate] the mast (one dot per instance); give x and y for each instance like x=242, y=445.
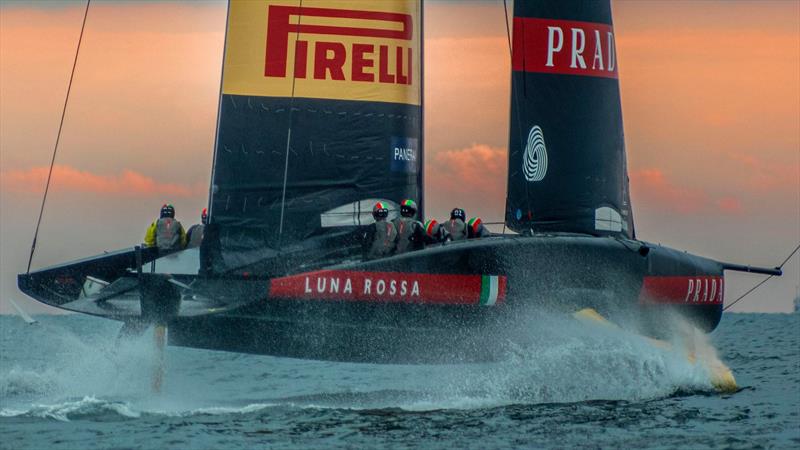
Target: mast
x=567, y=166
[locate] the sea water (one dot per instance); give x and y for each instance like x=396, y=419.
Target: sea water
x=66, y=383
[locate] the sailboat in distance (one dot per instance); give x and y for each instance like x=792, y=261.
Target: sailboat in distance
x=320, y=117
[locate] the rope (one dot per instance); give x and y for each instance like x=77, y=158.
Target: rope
x=58, y=139
x=289, y=132
x=762, y=281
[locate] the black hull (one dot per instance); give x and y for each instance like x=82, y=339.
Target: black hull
x=626, y=281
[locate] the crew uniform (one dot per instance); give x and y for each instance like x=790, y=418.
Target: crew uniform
x=379, y=237
x=410, y=234
x=456, y=227
x=195, y=234
x=166, y=233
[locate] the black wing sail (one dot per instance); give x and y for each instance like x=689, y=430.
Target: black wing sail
x=567, y=169
x=320, y=117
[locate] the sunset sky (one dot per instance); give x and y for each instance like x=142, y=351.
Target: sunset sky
x=710, y=97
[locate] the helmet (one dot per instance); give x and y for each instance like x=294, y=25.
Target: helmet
x=475, y=224
x=167, y=210
x=380, y=211
x=431, y=227
x=408, y=208
x=458, y=213
x=204, y=216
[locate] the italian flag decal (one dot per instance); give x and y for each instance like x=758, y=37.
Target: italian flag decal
x=489, y=289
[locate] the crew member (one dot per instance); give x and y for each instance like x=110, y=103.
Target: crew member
x=410, y=235
x=475, y=229
x=456, y=227
x=166, y=233
x=435, y=233
x=379, y=238
x=195, y=234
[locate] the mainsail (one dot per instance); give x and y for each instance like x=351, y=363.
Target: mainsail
x=320, y=115
x=567, y=168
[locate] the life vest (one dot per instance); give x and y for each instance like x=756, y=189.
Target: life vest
x=409, y=234
x=457, y=229
x=195, y=235
x=383, y=240
x=168, y=234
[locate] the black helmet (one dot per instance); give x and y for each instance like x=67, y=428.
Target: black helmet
x=380, y=211
x=204, y=216
x=167, y=211
x=408, y=208
x=458, y=213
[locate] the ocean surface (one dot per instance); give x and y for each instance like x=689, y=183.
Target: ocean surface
x=65, y=384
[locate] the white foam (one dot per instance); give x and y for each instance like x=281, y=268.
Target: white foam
x=85, y=406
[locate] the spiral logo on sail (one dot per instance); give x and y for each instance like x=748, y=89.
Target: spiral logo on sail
x=534, y=162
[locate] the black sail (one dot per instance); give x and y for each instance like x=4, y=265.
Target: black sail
x=567, y=167
x=320, y=117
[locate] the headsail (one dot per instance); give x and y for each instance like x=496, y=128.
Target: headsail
x=320, y=111
x=567, y=168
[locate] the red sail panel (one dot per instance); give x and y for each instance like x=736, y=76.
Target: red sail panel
x=564, y=46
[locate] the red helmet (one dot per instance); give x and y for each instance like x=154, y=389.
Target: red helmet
x=408, y=208
x=380, y=211
x=204, y=216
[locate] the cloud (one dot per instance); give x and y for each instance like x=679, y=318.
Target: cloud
x=767, y=176
x=473, y=178
x=477, y=160
x=650, y=188
x=730, y=205
x=127, y=183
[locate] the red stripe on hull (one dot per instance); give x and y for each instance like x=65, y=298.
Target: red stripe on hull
x=702, y=290
x=390, y=287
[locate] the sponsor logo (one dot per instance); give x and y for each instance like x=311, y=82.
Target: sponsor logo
x=391, y=287
x=367, y=51
x=700, y=290
x=368, y=62
x=534, y=162
x=564, y=47
x=403, y=155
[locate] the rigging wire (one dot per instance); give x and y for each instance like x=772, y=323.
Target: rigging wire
x=289, y=132
x=762, y=281
x=511, y=54
x=58, y=138
x=213, y=182
x=515, y=99
x=508, y=29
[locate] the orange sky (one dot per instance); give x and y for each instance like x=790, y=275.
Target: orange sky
x=711, y=104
